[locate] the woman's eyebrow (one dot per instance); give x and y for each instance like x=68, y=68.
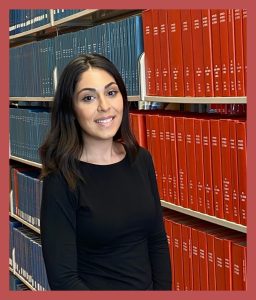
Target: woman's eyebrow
x=94, y=90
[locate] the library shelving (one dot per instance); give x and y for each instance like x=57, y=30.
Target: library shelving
x=85, y=19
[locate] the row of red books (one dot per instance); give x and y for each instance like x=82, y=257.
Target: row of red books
x=205, y=256
x=200, y=160
x=197, y=52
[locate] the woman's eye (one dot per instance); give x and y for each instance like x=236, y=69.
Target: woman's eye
x=112, y=93
x=88, y=98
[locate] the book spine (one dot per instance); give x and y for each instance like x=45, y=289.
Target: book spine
x=239, y=52
x=226, y=170
x=199, y=165
x=157, y=53
x=198, y=55
x=176, y=59
x=242, y=169
x=191, y=162
x=165, y=55
x=216, y=168
x=207, y=167
x=187, y=50
x=216, y=53
x=207, y=50
x=182, y=161
x=232, y=55
x=149, y=52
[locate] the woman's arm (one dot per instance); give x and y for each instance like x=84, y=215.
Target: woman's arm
x=158, y=245
x=58, y=234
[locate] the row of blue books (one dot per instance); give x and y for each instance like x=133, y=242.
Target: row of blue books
x=15, y=284
x=63, y=13
x=22, y=20
x=27, y=194
x=36, y=67
x=26, y=256
x=28, y=129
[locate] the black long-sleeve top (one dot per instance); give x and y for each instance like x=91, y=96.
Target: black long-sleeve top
x=109, y=233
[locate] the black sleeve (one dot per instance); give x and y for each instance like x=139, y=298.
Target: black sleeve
x=58, y=234
x=158, y=245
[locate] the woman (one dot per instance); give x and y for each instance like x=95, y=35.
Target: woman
x=101, y=220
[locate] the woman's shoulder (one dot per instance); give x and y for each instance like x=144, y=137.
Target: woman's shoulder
x=55, y=179
x=143, y=152
x=143, y=155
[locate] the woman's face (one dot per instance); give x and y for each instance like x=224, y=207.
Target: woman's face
x=98, y=104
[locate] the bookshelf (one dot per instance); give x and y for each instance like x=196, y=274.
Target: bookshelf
x=22, y=279
x=26, y=162
x=35, y=229
x=205, y=217
x=198, y=100
x=87, y=19
x=82, y=19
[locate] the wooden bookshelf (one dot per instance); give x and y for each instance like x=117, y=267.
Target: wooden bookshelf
x=22, y=279
x=205, y=217
x=198, y=100
x=25, y=161
x=82, y=19
x=27, y=224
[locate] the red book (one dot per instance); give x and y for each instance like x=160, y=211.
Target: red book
x=198, y=55
x=149, y=52
x=219, y=263
x=234, y=171
x=244, y=14
x=175, y=44
x=182, y=161
x=139, y=128
x=168, y=161
x=187, y=256
x=148, y=132
x=238, y=253
x=164, y=162
x=207, y=50
x=227, y=245
x=199, y=165
x=157, y=52
x=168, y=230
x=156, y=154
x=165, y=56
x=239, y=52
x=187, y=50
x=226, y=169
x=242, y=169
x=209, y=208
x=203, y=264
x=222, y=247
x=231, y=47
x=224, y=51
x=174, y=156
x=142, y=129
x=211, y=257
x=216, y=169
x=203, y=254
x=195, y=260
x=191, y=162
x=215, y=25
x=178, y=283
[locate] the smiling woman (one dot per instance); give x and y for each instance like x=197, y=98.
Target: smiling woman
x=98, y=107
x=101, y=218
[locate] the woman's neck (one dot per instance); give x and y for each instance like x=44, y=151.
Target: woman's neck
x=103, y=152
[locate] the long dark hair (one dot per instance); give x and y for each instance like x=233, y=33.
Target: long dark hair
x=64, y=144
